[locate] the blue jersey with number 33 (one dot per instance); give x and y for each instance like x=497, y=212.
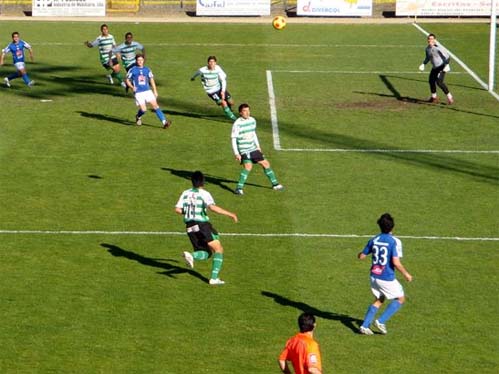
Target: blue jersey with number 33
x=383, y=248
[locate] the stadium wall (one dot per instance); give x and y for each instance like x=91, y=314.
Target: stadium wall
x=162, y=8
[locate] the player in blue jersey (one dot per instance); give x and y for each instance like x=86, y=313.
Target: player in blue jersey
x=16, y=48
x=141, y=81
x=386, y=251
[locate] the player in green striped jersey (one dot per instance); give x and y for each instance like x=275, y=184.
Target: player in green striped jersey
x=214, y=81
x=247, y=151
x=192, y=205
x=108, y=59
x=127, y=51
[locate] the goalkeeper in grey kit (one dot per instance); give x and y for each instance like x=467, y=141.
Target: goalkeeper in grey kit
x=440, y=59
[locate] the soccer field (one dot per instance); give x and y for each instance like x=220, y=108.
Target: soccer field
x=91, y=270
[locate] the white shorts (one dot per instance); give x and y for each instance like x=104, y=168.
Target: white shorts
x=389, y=289
x=19, y=65
x=144, y=97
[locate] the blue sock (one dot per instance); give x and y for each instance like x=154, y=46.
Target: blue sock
x=390, y=311
x=25, y=78
x=140, y=113
x=13, y=76
x=160, y=115
x=371, y=312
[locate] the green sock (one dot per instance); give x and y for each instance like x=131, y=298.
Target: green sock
x=218, y=259
x=117, y=76
x=200, y=255
x=242, y=179
x=270, y=174
x=229, y=114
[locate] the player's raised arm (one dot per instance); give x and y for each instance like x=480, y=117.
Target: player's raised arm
x=195, y=75
x=224, y=212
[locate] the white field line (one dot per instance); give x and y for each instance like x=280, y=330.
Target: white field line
x=463, y=65
x=344, y=150
x=236, y=234
x=349, y=72
x=249, y=45
x=275, y=122
x=273, y=112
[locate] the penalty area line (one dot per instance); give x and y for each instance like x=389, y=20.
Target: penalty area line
x=346, y=150
x=238, y=234
x=351, y=72
x=273, y=112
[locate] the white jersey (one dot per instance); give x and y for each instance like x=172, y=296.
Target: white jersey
x=193, y=203
x=244, y=139
x=212, y=80
x=106, y=45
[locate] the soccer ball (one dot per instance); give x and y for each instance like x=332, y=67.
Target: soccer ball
x=279, y=22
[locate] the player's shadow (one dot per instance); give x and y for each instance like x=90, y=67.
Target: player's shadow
x=75, y=85
x=426, y=82
x=191, y=110
x=105, y=117
x=434, y=161
x=407, y=99
x=113, y=119
x=210, y=179
x=350, y=322
x=169, y=269
x=60, y=81
x=194, y=115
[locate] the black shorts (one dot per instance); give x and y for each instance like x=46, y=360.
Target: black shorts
x=200, y=234
x=115, y=62
x=217, y=97
x=254, y=157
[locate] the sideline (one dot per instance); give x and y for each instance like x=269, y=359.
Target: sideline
x=184, y=18
x=265, y=235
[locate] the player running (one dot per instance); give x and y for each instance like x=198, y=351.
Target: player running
x=141, y=80
x=127, y=51
x=16, y=48
x=214, y=81
x=192, y=205
x=108, y=59
x=386, y=251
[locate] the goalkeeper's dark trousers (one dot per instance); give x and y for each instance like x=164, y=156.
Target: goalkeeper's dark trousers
x=437, y=76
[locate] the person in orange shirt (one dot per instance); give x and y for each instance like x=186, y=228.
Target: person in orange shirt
x=302, y=350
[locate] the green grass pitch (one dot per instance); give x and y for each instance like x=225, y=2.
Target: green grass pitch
x=115, y=302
